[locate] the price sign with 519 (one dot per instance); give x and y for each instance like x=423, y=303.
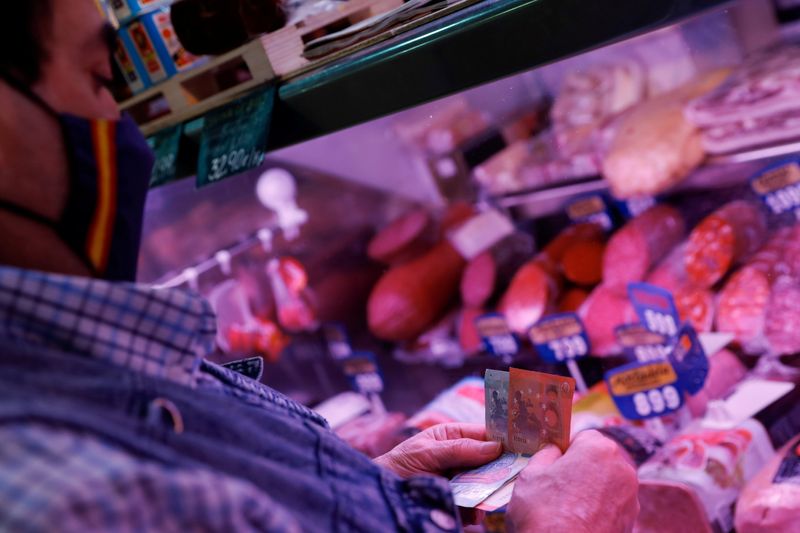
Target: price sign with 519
x=560, y=338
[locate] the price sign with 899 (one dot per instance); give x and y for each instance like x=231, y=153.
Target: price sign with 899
x=645, y=390
x=560, y=338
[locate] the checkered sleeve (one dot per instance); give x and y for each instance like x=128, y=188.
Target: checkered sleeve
x=53, y=479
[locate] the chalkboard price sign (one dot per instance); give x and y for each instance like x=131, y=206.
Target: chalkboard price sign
x=165, y=145
x=234, y=137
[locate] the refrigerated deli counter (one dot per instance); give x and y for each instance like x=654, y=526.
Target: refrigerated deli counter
x=599, y=195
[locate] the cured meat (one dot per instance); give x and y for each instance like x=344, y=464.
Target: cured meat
x=765, y=84
x=490, y=272
x=411, y=297
x=770, y=502
x=468, y=337
x=604, y=310
x=695, y=304
x=722, y=239
x=655, y=146
x=404, y=238
x=752, y=132
x=640, y=244
x=724, y=373
x=582, y=263
x=716, y=463
x=572, y=300
x=588, y=97
x=782, y=321
x=743, y=301
x=535, y=286
x=531, y=293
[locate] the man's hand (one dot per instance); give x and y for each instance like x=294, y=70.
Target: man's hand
x=592, y=487
x=441, y=448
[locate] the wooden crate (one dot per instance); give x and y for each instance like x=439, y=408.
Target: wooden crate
x=193, y=93
x=284, y=47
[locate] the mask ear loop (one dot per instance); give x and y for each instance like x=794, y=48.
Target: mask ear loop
x=25, y=90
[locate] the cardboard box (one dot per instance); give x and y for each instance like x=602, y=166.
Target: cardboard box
x=127, y=9
x=130, y=64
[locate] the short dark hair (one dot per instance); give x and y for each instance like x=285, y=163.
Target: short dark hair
x=24, y=26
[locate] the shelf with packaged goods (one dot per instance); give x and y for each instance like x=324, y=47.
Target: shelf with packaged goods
x=465, y=45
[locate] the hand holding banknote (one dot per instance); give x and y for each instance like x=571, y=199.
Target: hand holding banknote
x=591, y=488
x=441, y=448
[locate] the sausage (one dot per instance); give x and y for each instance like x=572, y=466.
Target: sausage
x=767, y=506
x=694, y=304
x=410, y=297
x=468, y=336
x=490, y=272
x=744, y=299
x=640, y=244
x=605, y=309
x=529, y=296
x=723, y=239
x=582, y=263
x=572, y=299
x=404, y=238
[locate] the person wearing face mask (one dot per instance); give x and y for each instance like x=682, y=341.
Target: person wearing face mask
x=110, y=417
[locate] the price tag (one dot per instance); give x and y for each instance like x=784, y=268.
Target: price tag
x=560, y=338
x=480, y=233
x=645, y=390
x=234, y=137
x=592, y=208
x=779, y=187
x=165, y=145
x=338, y=343
x=642, y=344
x=496, y=336
x=689, y=360
x=364, y=374
x=655, y=308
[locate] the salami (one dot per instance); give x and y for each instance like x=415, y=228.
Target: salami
x=743, y=301
x=468, y=337
x=403, y=239
x=531, y=293
x=695, y=304
x=782, y=321
x=640, y=244
x=722, y=239
x=770, y=502
x=572, y=300
x=582, y=263
x=605, y=309
x=410, y=297
x=490, y=272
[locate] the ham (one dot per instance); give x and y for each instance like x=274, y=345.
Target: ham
x=771, y=500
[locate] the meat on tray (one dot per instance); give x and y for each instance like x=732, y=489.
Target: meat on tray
x=640, y=244
x=771, y=500
x=722, y=239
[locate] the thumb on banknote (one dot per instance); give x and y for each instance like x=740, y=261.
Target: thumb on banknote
x=545, y=457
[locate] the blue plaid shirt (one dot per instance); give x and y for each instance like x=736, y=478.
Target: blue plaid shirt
x=74, y=480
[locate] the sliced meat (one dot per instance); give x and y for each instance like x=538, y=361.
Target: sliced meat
x=723, y=239
x=640, y=244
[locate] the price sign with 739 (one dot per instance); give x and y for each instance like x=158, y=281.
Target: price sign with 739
x=560, y=338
